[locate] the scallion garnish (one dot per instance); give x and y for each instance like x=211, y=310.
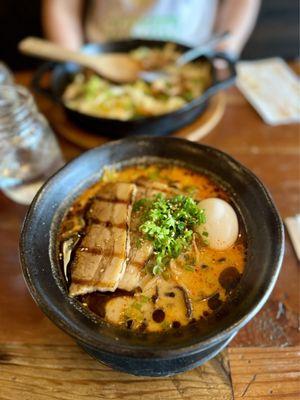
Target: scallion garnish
x=168, y=223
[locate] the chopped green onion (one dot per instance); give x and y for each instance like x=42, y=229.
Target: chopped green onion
x=137, y=305
x=168, y=224
x=190, y=268
x=144, y=299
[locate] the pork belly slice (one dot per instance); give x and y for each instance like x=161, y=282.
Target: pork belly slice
x=137, y=260
x=116, y=191
x=100, y=260
x=140, y=253
x=148, y=189
x=154, y=186
x=112, y=213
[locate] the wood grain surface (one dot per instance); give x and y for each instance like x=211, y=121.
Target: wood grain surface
x=29, y=342
x=265, y=373
x=34, y=372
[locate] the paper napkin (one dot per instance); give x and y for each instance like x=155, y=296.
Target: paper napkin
x=272, y=88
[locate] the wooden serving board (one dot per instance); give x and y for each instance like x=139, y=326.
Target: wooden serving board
x=87, y=140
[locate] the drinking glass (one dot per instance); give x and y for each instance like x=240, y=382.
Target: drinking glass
x=6, y=77
x=29, y=152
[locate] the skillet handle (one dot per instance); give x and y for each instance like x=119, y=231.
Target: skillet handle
x=224, y=83
x=38, y=77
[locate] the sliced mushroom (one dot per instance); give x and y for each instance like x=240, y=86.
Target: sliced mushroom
x=187, y=301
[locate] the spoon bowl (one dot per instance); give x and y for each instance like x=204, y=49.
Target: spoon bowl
x=117, y=67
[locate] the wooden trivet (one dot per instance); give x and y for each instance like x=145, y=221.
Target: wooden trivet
x=87, y=140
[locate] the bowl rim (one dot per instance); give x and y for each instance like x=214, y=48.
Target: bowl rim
x=136, y=350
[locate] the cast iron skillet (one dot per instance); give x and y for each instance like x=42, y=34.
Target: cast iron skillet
x=151, y=354
x=62, y=75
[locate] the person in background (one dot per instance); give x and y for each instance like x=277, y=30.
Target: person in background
x=70, y=23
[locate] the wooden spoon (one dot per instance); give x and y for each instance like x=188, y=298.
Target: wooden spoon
x=117, y=67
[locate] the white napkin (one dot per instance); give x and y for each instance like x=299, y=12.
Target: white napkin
x=293, y=227
x=272, y=88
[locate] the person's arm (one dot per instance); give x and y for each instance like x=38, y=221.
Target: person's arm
x=238, y=17
x=62, y=22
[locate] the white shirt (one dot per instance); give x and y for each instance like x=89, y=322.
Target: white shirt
x=185, y=21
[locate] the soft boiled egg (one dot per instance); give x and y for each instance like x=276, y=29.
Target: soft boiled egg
x=221, y=227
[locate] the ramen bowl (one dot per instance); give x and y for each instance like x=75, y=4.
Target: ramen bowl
x=146, y=353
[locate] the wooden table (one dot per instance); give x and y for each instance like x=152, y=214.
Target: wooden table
x=38, y=361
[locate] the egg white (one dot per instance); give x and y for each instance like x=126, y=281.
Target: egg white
x=221, y=228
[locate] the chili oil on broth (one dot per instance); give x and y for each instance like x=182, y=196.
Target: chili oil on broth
x=193, y=287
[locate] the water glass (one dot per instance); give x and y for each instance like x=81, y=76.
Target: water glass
x=6, y=77
x=29, y=152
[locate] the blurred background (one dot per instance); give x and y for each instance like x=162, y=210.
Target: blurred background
x=276, y=32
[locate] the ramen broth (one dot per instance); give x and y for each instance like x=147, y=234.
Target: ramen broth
x=119, y=269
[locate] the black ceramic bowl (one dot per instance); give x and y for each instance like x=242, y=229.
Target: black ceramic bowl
x=151, y=354
x=62, y=74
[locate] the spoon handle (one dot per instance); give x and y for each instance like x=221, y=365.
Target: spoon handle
x=201, y=49
x=44, y=49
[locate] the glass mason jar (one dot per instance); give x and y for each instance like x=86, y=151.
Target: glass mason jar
x=6, y=77
x=29, y=152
